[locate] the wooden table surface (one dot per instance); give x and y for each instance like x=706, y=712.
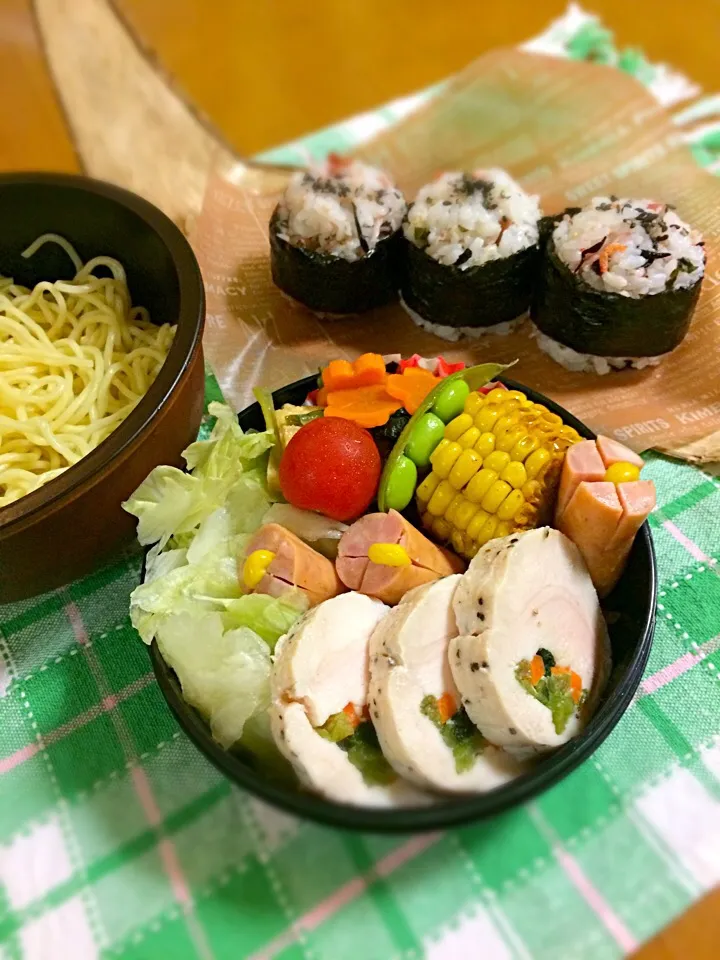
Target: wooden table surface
x=264, y=72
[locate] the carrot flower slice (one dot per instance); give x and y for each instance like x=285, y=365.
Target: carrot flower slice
x=411, y=386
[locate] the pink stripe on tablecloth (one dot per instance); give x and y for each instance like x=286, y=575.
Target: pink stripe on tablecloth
x=692, y=548
x=408, y=851
x=72, y=612
x=594, y=899
x=81, y=720
x=669, y=673
x=20, y=756
x=678, y=667
x=168, y=854
x=343, y=895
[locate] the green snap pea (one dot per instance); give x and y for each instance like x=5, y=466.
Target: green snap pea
x=425, y=435
x=401, y=484
x=450, y=402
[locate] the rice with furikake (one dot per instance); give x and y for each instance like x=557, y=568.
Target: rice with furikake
x=636, y=248
x=342, y=208
x=468, y=219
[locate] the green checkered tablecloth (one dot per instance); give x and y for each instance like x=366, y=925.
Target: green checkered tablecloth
x=117, y=839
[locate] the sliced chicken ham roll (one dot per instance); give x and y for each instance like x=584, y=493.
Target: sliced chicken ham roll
x=384, y=556
x=423, y=730
x=533, y=651
x=319, y=717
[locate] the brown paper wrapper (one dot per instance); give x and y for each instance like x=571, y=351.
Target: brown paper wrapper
x=567, y=131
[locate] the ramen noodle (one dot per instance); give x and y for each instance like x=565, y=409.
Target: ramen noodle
x=76, y=357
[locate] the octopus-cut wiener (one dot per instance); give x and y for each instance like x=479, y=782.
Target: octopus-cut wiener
x=602, y=503
x=319, y=714
x=422, y=727
x=383, y=555
x=533, y=652
x=280, y=564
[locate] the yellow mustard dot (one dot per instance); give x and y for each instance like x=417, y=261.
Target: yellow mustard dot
x=255, y=567
x=389, y=555
x=622, y=473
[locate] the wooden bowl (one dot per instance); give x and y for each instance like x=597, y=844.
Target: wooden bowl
x=71, y=524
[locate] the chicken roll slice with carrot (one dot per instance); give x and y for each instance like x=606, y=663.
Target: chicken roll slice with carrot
x=602, y=503
x=319, y=716
x=533, y=652
x=279, y=563
x=421, y=724
x=383, y=555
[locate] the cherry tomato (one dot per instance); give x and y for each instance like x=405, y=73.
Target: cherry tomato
x=331, y=466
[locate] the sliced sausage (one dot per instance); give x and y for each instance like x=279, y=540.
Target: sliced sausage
x=292, y=566
x=427, y=561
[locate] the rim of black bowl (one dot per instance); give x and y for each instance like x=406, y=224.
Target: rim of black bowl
x=191, y=307
x=448, y=812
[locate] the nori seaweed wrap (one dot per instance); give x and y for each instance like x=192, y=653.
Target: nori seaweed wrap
x=471, y=252
x=620, y=280
x=334, y=238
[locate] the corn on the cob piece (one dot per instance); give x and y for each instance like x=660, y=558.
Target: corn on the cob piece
x=496, y=470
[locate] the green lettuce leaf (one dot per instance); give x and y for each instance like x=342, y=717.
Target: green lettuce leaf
x=224, y=674
x=268, y=616
x=218, y=641
x=170, y=503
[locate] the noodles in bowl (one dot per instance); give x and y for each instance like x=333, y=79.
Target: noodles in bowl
x=76, y=357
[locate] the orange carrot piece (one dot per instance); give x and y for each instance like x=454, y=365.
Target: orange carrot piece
x=411, y=386
x=558, y=670
x=446, y=707
x=322, y=397
x=367, y=406
x=366, y=371
x=351, y=713
x=607, y=252
x=537, y=670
